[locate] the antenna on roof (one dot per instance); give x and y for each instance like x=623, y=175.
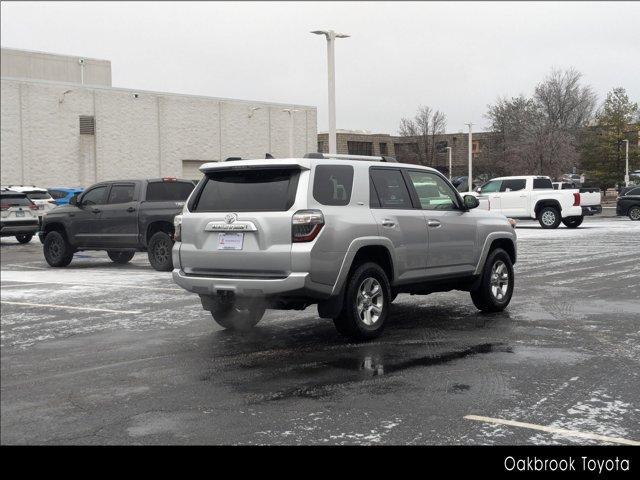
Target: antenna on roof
x=269, y=156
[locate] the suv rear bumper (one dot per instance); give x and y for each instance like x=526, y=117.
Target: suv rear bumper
x=22, y=228
x=295, y=282
x=591, y=210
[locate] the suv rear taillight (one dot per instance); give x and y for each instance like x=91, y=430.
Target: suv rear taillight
x=576, y=199
x=4, y=206
x=306, y=225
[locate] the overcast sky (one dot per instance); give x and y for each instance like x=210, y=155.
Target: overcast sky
x=457, y=57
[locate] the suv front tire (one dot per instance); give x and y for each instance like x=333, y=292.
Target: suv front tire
x=495, y=287
x=366, y=303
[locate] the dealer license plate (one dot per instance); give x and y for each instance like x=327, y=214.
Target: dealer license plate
x=230, y=241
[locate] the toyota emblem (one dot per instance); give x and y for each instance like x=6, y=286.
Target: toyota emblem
x=230, y=217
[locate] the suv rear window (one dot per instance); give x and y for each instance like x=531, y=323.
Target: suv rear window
x=255, y=190
x=542, y=183
x=332, y=184
x=15, y=201
x=169, y=191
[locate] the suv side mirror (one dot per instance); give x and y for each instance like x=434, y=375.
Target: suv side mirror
x=74, y=200
x=470, y=202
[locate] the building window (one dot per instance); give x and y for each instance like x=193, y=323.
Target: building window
x=475, y=146
x=360, y=148
x=322, y=147
x=383, y=149
x=441, y=147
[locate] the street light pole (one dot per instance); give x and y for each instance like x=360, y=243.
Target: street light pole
x=470, y=146
x=331, y=40
x=449, y=148
x=626, y=155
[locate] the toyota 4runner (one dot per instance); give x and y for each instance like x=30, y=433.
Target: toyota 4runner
x=347, y=233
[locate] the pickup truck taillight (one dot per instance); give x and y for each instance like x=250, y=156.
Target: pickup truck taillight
x=576, y=199
x=177, y=228
x=306, y=225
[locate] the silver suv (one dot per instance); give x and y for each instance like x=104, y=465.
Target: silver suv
x=347, y=233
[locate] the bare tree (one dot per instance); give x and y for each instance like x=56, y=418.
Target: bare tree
x=421, y=131
x=541, y=134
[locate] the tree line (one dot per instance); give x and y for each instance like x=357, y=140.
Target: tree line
x=559, y=127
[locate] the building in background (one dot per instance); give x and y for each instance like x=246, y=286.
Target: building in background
x=412, y=149
x=58, y=131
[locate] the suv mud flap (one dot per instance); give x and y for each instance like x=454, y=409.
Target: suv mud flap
x=332, y=306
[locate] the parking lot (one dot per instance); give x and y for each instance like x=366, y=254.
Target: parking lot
x=99, y=353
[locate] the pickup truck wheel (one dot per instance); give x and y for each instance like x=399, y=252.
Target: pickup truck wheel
x=159, y=251
x=572, y=222
x=56, y=249
x=549, y=217
x=26, y=238
x=496, y=283
x=634, y=213
x=238, y=317
x=120, y=257
x=366, y=303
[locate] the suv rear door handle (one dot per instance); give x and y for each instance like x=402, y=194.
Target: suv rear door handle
x=96, y=210
x=388, y=223
x=433, y=223
x=131, y=209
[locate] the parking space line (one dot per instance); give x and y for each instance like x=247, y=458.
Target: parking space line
x=67, y=307
x=558, y=431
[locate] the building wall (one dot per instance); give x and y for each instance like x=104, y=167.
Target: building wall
x=52, y=67
x=137, y=134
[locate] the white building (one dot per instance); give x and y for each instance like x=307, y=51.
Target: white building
x=66, y=133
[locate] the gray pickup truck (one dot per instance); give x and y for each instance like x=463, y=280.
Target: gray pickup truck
x=347, y=233
x=121, y=217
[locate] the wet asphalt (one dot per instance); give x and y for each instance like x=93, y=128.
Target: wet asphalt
x=104, y=354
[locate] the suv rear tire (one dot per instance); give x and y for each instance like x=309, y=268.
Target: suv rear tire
x=634, y=213
x=366, y=303
x=239, y=318
x=56, y=249
x=495, y=289
x=25, y=238
x=572, y=222
x=120, y=257
x=159, y=252
x=549, y=217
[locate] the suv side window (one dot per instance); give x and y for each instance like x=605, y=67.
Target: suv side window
x=121, y=194
x=433, y=192
x=95, y=196
x=332, y=184
x=513, y=185
x=391, y=189
x=492, y=186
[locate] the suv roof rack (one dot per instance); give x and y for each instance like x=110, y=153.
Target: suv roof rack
x=339, y=156
x=232, y=159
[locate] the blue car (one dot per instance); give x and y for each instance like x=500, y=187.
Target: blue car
x=62, y=195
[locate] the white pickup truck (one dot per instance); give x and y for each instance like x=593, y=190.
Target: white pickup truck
x=532, y=197
x=590, y=197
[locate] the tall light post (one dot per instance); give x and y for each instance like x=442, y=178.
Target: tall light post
x=449, y=148
x=626, y=155
x=331, y=40
x=290, y=111
x=470, y=178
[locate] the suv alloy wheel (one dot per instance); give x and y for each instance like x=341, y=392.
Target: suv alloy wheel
x=366, y=303
x=495, y=287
